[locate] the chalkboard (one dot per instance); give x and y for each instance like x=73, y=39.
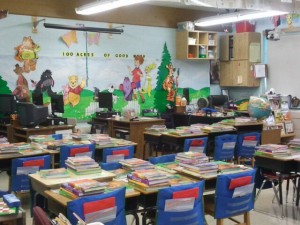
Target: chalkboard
x=283, y=60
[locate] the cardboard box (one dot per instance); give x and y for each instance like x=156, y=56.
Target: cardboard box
x=244, y=26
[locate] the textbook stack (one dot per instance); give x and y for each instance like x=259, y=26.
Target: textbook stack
x=100, y=139
x=136, y=164
x=14, y=148
x=273, y=150
x=82, y=165
x=148, y=180
x=79, y=188
x=217, y=127
x=196, y=162
x=185, y=130
x=54, y=173
x=294, y=144
x=41, y=138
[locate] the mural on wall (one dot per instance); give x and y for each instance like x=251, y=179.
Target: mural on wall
x=21, y=91
x=45, y=84
x=122, y=66
x=72, y=96
x=26, y=52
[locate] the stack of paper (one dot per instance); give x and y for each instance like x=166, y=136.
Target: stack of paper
x=82, y=165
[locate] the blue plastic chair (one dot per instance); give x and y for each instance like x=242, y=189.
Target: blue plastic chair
x=86, y=207
x=191, y=195
x=224, y=147
x=21, y=167
x=227, y=202
x=127, y=151
x=110, y=166
x=245, y=148
x=195, y=144
x=71, y=151
x=162, y=159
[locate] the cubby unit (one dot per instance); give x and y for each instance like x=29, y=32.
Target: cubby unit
x=196, y=45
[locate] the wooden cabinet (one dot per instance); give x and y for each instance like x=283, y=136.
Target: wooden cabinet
x=196, y=45
x=239, y=52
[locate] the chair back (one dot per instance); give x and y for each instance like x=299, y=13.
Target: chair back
x=73, y=150
x=181, y=204
x=40, y=217
x=117, y=154
x=234, y=194
x=107, y=208
x=162, y=159
x=110, y=166
x=246, y=144
x=195, y=144
x=21, y=167
x=224, y=147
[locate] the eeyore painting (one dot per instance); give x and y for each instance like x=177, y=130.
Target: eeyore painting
x=45, y=83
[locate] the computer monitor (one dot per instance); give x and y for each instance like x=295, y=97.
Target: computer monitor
x=218, y=101
x=7, y=104
x=31, y=115
x=105, y=100
x=37, y=98
x=57, y=104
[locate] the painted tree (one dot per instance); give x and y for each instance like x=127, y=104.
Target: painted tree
x=3, y=87
x=160, y=96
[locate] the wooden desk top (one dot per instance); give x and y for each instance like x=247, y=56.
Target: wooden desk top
x=55, y=183
x=45, y=127
x=64, y=200
x=23, y=154
x=237, y=124
x=287, y=135
x=192, y=135
x=138, y=120
x=279, y=158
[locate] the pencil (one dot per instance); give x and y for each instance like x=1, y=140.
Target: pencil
x=79, y=219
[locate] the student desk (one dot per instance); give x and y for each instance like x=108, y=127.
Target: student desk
x=246, y=127
x=277, y=164
x=58, y=203
x=18, y=219
x=135, y=128
x=5, y=159
x=40, y=185
x=19, y=133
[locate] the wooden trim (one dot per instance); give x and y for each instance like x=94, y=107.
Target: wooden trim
x=142, y=14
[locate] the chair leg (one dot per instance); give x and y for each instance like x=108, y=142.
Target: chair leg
x=261, y=187
x=247, y=218
x=220, y=221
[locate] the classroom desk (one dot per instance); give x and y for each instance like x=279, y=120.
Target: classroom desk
x=18, y=219
x=58, y=203
x=19, y=133
x=5, y=159
x=246, y=127
x=40, y=185
x=297, y=160
x=135, y=128
x=153, y=142
x=277, y=164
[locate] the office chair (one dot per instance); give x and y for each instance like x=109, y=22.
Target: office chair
x=72, y=150
x=162, y=159
x=181, y=204
x=231, y=199
x=21, y=167
x=224, y=147
x=245, y=148
x=108, y=208
x=118, y=153
x=195, y=144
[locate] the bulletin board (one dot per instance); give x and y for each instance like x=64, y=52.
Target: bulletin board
x=284, y=65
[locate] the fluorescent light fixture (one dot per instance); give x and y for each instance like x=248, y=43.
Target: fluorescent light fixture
x=105, y=5
x=82, y=28
x=236, y=17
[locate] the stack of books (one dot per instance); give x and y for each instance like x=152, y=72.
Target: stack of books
x=100, y=139
x=294, y=144
x=148, y=180
x=217, y=127
x=6, y=148
x=136, y=164
x=273, y=150
x=80, y=137
x=196, y=162
x=41, y=138
x=185, y=130
x=84, y=187
x=82, y=165
x=54, y=173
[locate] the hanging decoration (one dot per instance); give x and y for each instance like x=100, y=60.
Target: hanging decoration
x=70, y=38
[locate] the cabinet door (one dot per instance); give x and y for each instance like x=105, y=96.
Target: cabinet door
x=224, y=50
x=241, y=45
x=226, y=74
x=242, y=74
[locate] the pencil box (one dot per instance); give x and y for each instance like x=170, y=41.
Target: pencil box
x=11, y=200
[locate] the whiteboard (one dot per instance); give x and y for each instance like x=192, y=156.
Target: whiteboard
x=283, y=59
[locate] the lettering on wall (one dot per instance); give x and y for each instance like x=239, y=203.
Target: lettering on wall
x=78, y=54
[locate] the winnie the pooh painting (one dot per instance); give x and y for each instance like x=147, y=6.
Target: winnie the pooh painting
x=74, y=90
